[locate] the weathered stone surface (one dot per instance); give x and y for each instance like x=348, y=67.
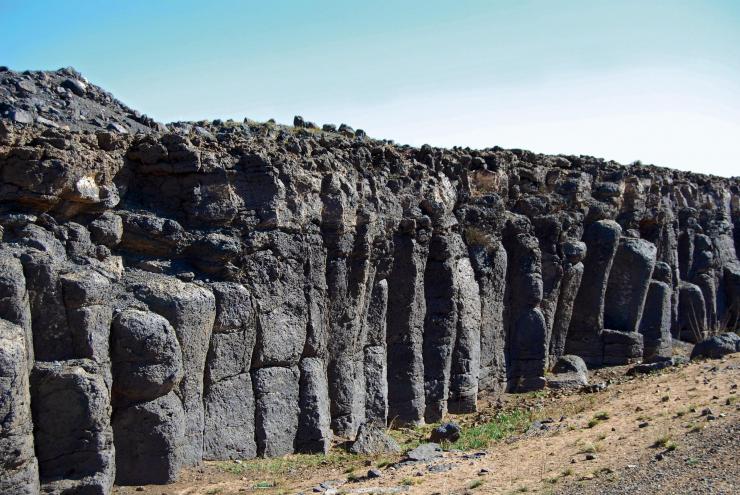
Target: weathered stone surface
x=376, y=384
x=587, y=321
x=229, y=419
x=629, y=281
x=191, y=310
x=692, y=318
x=372, y=440
x=146, y=357
x=276, y=392
x=244, y=289
x=20, y=472
x=150, y=440
x=717, y=346
x=314, y=423
x=228, y=397
x=72, y=431
x=406, y=402
x=655, y=325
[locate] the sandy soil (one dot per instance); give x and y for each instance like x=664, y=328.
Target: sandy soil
x=654, y=436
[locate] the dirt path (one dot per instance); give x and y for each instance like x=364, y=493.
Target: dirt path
x=646, y=434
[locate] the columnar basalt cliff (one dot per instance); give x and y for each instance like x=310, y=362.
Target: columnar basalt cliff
x=223, y=290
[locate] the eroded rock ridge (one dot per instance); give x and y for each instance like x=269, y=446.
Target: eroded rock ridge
x=225, y=290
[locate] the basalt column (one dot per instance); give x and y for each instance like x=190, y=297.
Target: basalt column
x=405, y=329
x=14, y=305
x=148, y=416
x=191, y=310
x=74, y=450
x=703, y=276
x=490, y=264
x=574, y=253
x=376, y=384
x=587, y=322
x=655, y=325
x=276, y=279
x=20, y=472
x=229, y=400
x=314, y=420
x=629, y=281
x=526, y=326
x=465, y=372
x=450, y=326
x=349, y=274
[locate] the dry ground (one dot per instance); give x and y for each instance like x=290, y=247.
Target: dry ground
x=648, y=434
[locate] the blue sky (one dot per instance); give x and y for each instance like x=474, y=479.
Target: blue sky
x=657, y=81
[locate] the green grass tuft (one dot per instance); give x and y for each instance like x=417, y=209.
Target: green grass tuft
x=475, y=484
x=502, y=426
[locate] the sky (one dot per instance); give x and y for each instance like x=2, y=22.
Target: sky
x=656, y=81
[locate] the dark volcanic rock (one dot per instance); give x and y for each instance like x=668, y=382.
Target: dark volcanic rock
x=373, y=440
x=150, y=441
x=17, y=458
x=717, y=346
x=448, y=432
x=72, y=430
x=223, y=290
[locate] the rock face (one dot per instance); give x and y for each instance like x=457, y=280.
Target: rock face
x=205, y=291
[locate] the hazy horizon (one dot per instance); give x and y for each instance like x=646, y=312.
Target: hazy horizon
x=653, y=81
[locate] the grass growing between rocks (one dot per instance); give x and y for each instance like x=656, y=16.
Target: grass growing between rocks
x=291, y=464
x=501, y=426
x=474, y=436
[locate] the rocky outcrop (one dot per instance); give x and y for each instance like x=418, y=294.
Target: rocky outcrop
x=224, y=290
x=17, y=457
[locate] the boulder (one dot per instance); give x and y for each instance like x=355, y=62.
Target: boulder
x=372, y=440
x=424, y=452
x=717, y=346
x=446, y=432
x=570, y=364
x=568, y=372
